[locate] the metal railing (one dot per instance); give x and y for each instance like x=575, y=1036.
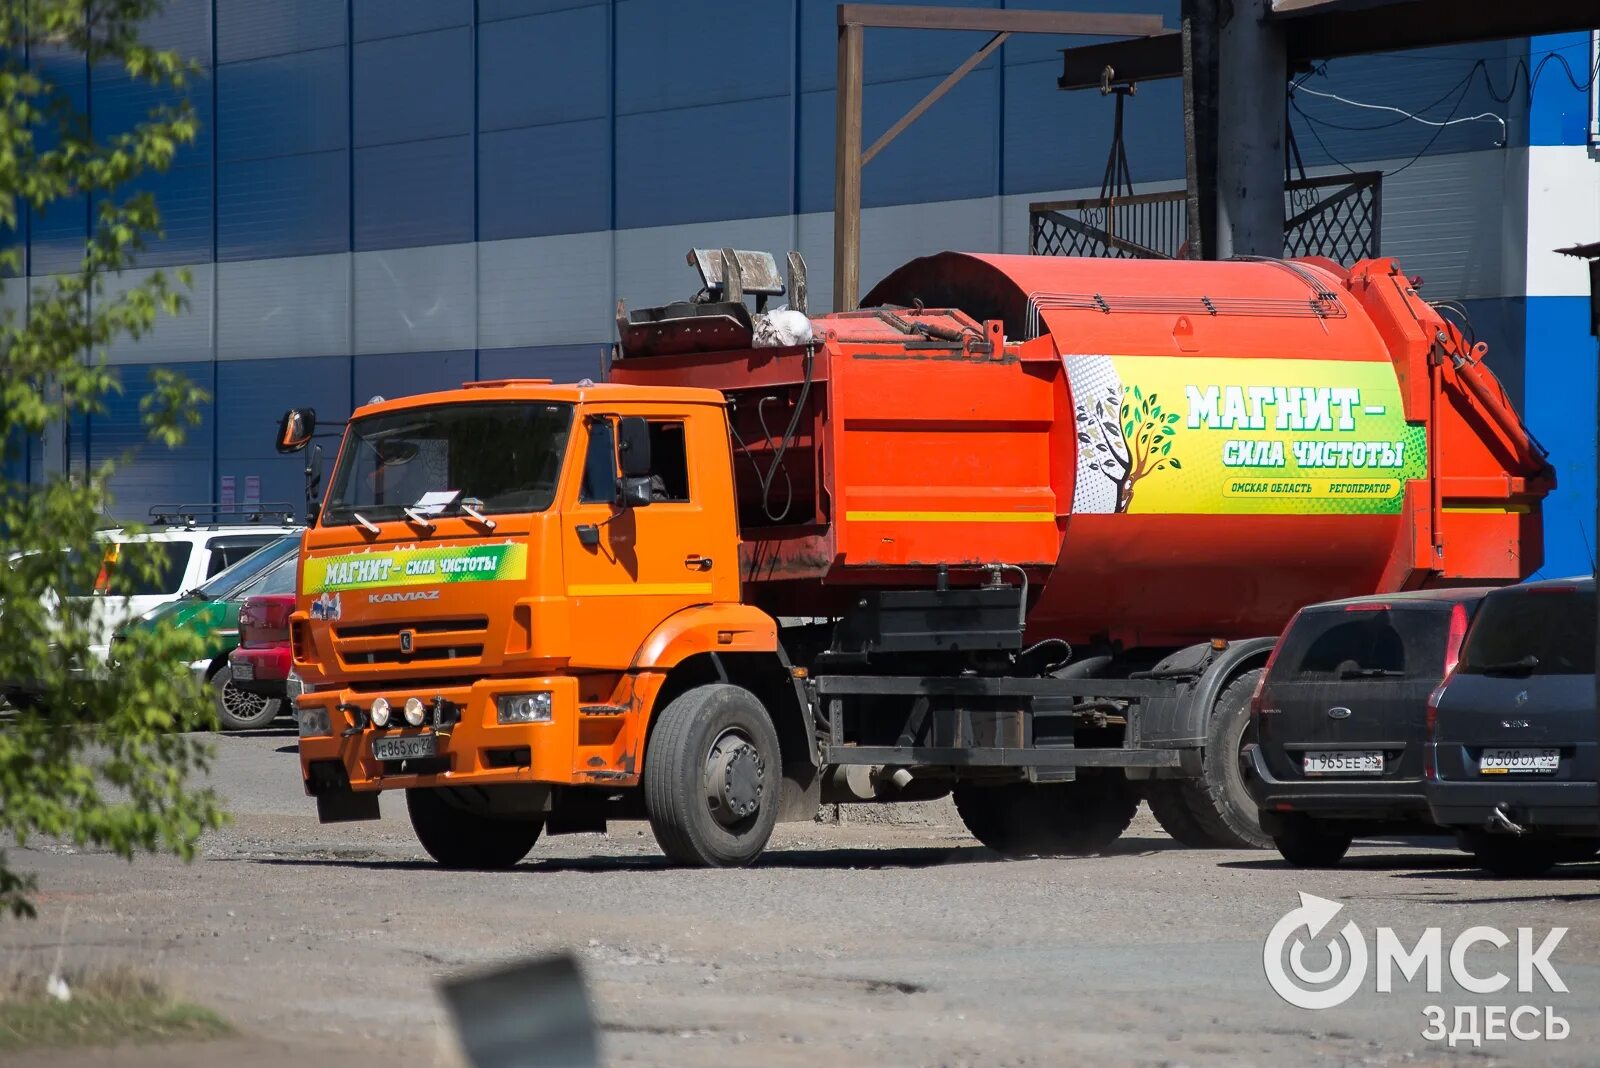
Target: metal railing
x=1337, y=216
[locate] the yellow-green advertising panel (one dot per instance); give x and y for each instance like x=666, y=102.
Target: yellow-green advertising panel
x=429, y=566
x=1215, y=436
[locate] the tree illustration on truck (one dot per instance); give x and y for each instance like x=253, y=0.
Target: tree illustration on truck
x=1131, y=437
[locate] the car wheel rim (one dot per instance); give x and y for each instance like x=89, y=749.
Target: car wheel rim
x=243, y=705
x=735, y=779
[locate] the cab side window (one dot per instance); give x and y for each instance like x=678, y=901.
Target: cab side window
x=600, y=464
x=669, y=463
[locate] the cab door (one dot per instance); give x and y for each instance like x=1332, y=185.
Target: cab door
x=629, y=567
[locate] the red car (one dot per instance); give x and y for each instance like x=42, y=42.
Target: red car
x=261, y=662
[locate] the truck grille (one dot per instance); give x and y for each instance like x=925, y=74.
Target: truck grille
x=431, y=641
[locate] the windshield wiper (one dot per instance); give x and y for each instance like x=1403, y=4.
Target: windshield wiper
x=420, y=520
x=1370, y=673
x=472, y=513
x=367, y=524
x=1523, y=666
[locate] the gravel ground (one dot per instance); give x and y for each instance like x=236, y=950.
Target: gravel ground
x=895, y=942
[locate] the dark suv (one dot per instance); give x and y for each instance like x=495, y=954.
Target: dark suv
x=1340, y=719
x=1511, y=752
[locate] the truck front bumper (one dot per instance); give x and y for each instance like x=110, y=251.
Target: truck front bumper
x=580, y=744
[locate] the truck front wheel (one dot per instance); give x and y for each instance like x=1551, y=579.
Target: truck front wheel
x=712, y=777
x=1214, y=811
x=1049, y=819
x=457, y=837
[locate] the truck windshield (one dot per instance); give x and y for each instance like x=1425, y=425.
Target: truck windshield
x=499, y=457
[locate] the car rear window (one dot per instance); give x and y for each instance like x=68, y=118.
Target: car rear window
x=1383, y=643
x=1540, y=631
x=280, y=579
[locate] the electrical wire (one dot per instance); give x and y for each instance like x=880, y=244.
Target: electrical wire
x=1404, y=114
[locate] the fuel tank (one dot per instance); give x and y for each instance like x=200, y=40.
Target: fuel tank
x=1171, y=450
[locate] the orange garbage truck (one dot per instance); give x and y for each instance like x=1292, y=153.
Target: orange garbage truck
x=1020, y=530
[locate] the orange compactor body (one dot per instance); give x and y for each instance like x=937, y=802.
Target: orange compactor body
x=1171, y=451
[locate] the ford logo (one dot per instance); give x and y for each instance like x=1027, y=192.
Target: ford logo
x=1339, y=713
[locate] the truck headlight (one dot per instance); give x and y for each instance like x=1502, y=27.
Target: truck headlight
x=415, y=711
x=523, y=708
x=314, y=723
x=380, y=712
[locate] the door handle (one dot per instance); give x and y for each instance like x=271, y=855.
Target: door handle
x=696, y=562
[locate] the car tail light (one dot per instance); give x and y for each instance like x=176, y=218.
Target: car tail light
x=264, y=619
x=1258, y=698
x=1453, y=640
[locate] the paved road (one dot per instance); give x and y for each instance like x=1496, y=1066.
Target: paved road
x=852, y=944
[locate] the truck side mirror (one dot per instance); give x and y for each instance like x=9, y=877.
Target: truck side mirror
x=633, y=447
x=634, y=492
x=295, y=429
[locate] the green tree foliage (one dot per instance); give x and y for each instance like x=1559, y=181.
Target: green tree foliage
x=99, y=759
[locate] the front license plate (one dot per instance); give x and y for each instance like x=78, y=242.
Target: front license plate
x=1348, y=762
x=1519, y=761
x=405, y=747
x=247, y=672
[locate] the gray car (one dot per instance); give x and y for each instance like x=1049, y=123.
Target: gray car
x=1511, y=764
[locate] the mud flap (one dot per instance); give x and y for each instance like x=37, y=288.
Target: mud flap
x=347, y=807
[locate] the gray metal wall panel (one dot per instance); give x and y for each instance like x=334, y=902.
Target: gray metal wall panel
x=290, y=307
x=416, y=299
x=182, y=339
x=544, y=290
x=650, y=262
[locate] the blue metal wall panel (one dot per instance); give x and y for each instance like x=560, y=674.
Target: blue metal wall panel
x=695, y=52
x=570, y=80
x=891, y=55
x=414, y=87
x=1560, y=410
x=57, y=236
x=283, y=104
x=1060, y=140
x=284, y=206
x=530, y=181
x=1560, y=110
x=564, y=363
x=181, y=25
x=494, y=10
x=249, y=29
x=118, y=103
x=672, y=166
x=183, y=196
x=406, y=374
x=372, y=19
x=161, y=475
x=1502, y=324
x=414, y=193
x=252, y=395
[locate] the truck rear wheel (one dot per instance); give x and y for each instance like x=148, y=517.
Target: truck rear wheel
x=1049, y=819
x=1214, y=811
x=712, y=777
x=459, y=838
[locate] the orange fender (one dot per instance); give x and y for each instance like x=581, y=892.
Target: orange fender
x=712, y=628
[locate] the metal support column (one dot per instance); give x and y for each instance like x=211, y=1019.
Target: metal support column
x=1252, y=68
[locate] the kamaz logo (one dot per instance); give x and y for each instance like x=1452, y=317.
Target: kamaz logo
x=406, y=595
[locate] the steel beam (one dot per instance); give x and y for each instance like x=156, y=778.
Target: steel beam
x=1089, y=24
x=1316, y=32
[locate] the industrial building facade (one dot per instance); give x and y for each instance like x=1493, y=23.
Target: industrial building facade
x=392, y=196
